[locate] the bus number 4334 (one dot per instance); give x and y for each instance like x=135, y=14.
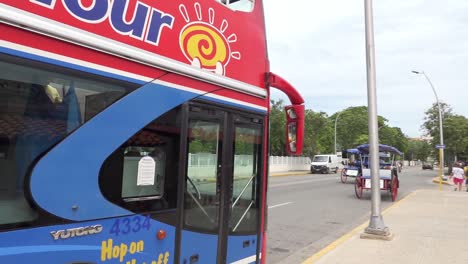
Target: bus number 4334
x=130, y=224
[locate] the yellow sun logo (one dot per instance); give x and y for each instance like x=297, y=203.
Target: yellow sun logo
x=204, y=45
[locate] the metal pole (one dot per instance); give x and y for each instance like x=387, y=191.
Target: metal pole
x=441, y=150
x=376, y=223
x=336, y=120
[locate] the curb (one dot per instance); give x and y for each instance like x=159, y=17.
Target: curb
x=288, y=173
x=436, y=180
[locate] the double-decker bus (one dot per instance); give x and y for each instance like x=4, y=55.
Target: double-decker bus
x=136, y=131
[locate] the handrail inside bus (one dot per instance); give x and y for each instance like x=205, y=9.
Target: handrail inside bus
x=195, y=187
x=201, y=207
x=243, y=215
x=243, y=190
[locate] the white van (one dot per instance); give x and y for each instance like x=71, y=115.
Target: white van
x=325, y=163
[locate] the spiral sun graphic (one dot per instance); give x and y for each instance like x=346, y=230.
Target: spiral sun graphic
x=204, y=44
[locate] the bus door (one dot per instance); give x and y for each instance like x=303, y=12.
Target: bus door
x=220, y=219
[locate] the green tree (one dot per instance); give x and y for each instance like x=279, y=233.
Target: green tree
x=431, y=120
x=317, y=134
x=361, y=139
x=418, y=150
x=393, y=136
x=326, y=138
x=454, y=128
x=456, y=136
x=353, y=130
x=277, y=128
x=350, y=126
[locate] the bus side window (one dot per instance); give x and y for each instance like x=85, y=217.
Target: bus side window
x=30, y=123
x=141, y=175
x=40, y=105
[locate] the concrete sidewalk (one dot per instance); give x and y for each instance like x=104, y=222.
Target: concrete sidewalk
x=430, y=226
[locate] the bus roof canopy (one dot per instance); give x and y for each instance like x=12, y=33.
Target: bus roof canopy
x=382, y=148
x=353, y=151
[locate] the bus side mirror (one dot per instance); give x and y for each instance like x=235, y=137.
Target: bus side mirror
x=294, y=129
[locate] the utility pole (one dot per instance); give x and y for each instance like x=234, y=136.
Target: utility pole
x=376, y=228
x=336, y=120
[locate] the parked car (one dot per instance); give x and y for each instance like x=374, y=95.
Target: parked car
x=325, y=163
x=427, y=166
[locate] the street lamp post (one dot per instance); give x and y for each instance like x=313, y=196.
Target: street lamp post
x=376, y=226
x=336, y=120
x=441, y=150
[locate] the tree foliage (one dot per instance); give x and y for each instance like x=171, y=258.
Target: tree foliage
x=351, y=125
x=456, y=136
x=455, y=131
x=418, y=150
x=431, y=120
x=277, y=128
x=393, y=136
x=352, y=130
x=319, y=132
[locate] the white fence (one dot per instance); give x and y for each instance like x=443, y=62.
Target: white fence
x=280, y=164
x=203, y=165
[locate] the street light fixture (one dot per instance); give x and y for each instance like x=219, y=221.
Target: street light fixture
x=441, y=147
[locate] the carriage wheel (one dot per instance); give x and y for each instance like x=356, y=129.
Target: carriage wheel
x=394, y=187
x=358, y=187
x=344, y=177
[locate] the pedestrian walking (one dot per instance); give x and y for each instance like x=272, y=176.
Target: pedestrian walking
x=458, y=176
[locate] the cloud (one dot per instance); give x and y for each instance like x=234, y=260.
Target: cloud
x=319, y=46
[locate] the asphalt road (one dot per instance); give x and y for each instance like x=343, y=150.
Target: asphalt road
x=308, y=212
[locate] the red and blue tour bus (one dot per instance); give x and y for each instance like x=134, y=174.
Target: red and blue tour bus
x=136, y=131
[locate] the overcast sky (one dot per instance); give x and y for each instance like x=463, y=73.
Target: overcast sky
x=319, y=47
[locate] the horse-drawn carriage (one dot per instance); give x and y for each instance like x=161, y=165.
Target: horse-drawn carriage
x=388, y=172
x=353, y=167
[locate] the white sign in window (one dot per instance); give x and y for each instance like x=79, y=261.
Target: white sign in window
x=146, y=171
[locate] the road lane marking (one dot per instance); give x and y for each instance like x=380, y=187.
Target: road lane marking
x=278, y=205
x=350, y=234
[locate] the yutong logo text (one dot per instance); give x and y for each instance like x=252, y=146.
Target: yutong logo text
x=146, y=24
x=76, y=232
